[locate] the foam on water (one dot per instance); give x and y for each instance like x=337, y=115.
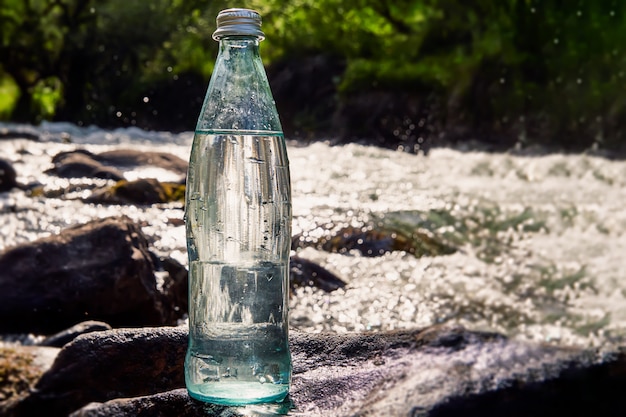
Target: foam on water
x=562, y=283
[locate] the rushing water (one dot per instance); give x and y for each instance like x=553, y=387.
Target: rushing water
x=541, y=238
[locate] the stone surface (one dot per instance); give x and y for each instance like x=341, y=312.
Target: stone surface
x=107, y=365
x=79, y=163
x=110, y=164
x=304, y=272
x=141, y=191
x=20, y=368
x=8, y=176
x=64, y=337
x=377, y=235
x=101, y=270
x=438, y=371
x=133, y=158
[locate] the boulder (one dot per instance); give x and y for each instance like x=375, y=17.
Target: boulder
x=64, y=337
x=20, y=368
x=109, y=164
x=437, y=371
x=101, y=270
x=143, y=191
x=8, y=176
x=78, y=164
x=170, y=403
x=102, y=366
x=408, y=231
x=134, y=158
x=304, y=272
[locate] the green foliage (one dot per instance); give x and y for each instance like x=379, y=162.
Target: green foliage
x=551, y=67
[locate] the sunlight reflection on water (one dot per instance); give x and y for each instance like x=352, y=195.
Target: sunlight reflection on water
x=561, y=284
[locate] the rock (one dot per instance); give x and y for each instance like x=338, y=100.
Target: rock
x=78, y=164
x=141, y=191
x=302, y=273
x=394, y=231
x=175, y=283
x=27, y=133
x=437, y=371
x=64, y=337
x=20, y=368
x=171, y=403
x=106, y=365
x=8, y=176
x=82, y=163
x=101, y=270
x=307, y=273
x=134, y=158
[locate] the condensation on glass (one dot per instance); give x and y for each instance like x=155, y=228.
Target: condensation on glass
x=238, y=221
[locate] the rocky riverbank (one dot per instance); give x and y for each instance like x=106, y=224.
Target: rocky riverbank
x=438, y=371
x=462, y=283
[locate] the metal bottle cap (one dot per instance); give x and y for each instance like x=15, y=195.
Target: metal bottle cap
x=244, y=22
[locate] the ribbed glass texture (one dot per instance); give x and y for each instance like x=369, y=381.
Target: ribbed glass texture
x=238, y=220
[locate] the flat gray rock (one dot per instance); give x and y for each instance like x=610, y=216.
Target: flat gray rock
x=438, y=371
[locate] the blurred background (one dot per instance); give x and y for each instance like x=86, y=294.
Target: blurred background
x=402, y=74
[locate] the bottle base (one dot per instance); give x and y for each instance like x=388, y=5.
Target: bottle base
x=239, y=393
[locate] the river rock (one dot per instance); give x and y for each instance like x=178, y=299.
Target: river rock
x=304, y=272
x=20, y=368
x=406, y=231
x=79, y=163
x=64, y=337
x=134, y=158
x=143, y=191
x=437, y=371
x=110, y=164
x=101, y=270
x=8, y=176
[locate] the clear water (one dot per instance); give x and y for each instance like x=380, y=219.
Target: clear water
x=239, y=351
x=238, y=222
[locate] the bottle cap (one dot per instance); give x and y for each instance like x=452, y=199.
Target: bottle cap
x=244, y=22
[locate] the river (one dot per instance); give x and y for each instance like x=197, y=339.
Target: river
x=541, y=238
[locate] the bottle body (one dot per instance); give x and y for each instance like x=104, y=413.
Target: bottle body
x=238, y=224
x=238, y=218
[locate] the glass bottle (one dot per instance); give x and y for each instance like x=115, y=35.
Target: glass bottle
x=238, y=223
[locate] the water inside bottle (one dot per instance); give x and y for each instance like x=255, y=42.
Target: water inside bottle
x=238, y=219
x=244, y=359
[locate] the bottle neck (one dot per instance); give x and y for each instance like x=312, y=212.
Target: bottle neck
x=244, y=46
x=239, y=95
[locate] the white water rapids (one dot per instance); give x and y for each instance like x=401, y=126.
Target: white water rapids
x=563, y=282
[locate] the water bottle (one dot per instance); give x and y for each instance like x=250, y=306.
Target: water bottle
x=238, y=224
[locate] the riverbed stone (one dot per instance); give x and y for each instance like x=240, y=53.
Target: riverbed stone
x=64, y=337
x=79, y=164
x=8, y=176
x=379, y=234
x=304, y=272
x=111, y=164
x=101, y=270
x=143, y=191
x=20, y=368
x=134, y=158
x=436, y=371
